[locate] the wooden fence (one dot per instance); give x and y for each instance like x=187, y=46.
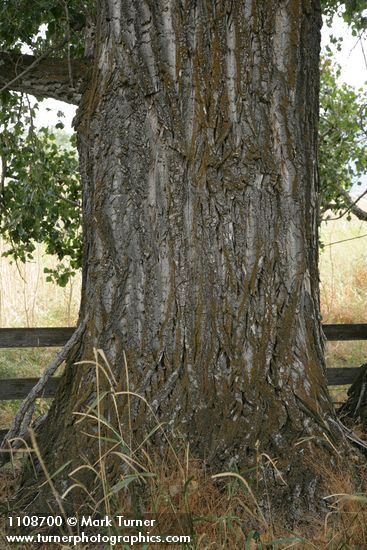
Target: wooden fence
x=19, y=388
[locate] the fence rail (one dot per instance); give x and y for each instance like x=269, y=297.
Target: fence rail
x=56, y=337
x=345, y=332
x=18, y=388
x=34, y=337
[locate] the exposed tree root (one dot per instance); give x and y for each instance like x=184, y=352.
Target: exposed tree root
x=18, y=433
x=356, y=405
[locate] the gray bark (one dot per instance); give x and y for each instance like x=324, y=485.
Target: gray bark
x=198, y=147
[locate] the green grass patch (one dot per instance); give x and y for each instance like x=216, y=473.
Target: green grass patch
x=23, y=363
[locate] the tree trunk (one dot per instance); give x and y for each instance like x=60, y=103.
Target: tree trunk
x=198, y=145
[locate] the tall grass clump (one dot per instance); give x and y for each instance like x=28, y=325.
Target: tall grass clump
x=216, y=509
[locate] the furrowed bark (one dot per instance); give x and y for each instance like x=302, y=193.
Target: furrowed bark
x=43, y=77
x=198, y=152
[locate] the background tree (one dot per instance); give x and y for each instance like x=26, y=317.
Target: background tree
x=40, y=190
x=40, y=187
x=343, y=142
x=197, y=135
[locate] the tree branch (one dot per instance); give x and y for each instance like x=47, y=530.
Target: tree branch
x=42, y=77
x=352, y=206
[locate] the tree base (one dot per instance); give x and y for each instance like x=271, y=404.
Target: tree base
x=284, y=492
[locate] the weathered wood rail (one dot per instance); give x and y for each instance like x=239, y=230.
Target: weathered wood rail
x=34, y=337
x=345, y=332
x=56, y=337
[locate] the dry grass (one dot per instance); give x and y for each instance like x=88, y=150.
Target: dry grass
x=224, y=516
x=28, y=300
x=345, y=524
x=343, y=270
